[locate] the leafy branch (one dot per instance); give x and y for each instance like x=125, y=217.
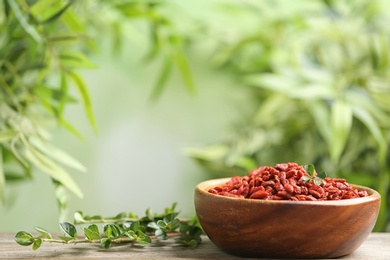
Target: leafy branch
x=317, y=178
x=44, y=45
x=123, y=228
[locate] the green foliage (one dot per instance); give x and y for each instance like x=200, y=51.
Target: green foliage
x=120, y=229
x=318, y=73
x=43, y=47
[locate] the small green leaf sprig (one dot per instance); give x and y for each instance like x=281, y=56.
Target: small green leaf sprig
x=123, y=228
x=317, y=178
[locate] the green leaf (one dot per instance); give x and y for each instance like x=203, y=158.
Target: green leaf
x=306, y=178
x=130, y=234
x=108, y=230
x=317, y=181
x=64, y=39
x=92, y=232
x=196, y=231
x=309, y=169
x=120, y=216
x=172, y=209
x=66, y=239
x=322, y=175
x=6, y=9
x=37, y=243
x=68, y=229
x=209, y=153
x=83, y=90
x=170, y=217
x=64, y=86
x=14, y=177
x=313, y=91
x=111, y=230
x=42, y=6
x=341, y=123
x=270, y=81
x=135, y=225
x=62, y=198
x=57, y=154
x=2, y=177
x=162, y=78
x=70, y=128
x=52, y=169
x=247, y=163
x=72, y=21
x=185, y=71
x=75, y=59
x=94, y=228
x=321, y=117
x=363, y=100
x=22, y=18
x=7, y=135
x=374, y=129
x=24, y=238
x=192, y=243
x=153, y=225
x=174, y=224
x=161, y=234
x=143, y=238
x=57, y=14
x=105, y=242
x=44, y=232
x=161, y=224
x=78, y=217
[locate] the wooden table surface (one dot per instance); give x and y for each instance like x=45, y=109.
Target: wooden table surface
x=377, y=246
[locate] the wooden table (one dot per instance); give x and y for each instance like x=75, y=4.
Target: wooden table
x=377, y=246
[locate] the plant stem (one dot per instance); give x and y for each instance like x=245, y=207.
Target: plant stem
x=97, y=241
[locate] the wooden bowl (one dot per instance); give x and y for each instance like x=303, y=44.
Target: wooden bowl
x=285, y=229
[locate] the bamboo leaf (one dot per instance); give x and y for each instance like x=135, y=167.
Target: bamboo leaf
x=277, y=83
x=313, y=91
x=365, y=117
x=358, y=97
x=162, y=79
x=83, y=90
x=265, y=114
x=7, y=135
x=64, y=39
x=23, y=21
x=341, y=123
x=321, y=117
x=185, y=71
x=14, y=177
x=57, y=154
x=57, y=14
x=52, y=169
x=2, y=177
x=42, y=6
x=68, y=126
x=6, y=8
x=75, y=59
x=72, y=21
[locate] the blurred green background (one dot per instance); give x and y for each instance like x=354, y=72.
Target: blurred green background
x=275, y=81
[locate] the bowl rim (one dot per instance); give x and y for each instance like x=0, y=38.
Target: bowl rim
x=203, y=187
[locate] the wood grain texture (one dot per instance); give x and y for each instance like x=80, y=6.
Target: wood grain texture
x=376, y=247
